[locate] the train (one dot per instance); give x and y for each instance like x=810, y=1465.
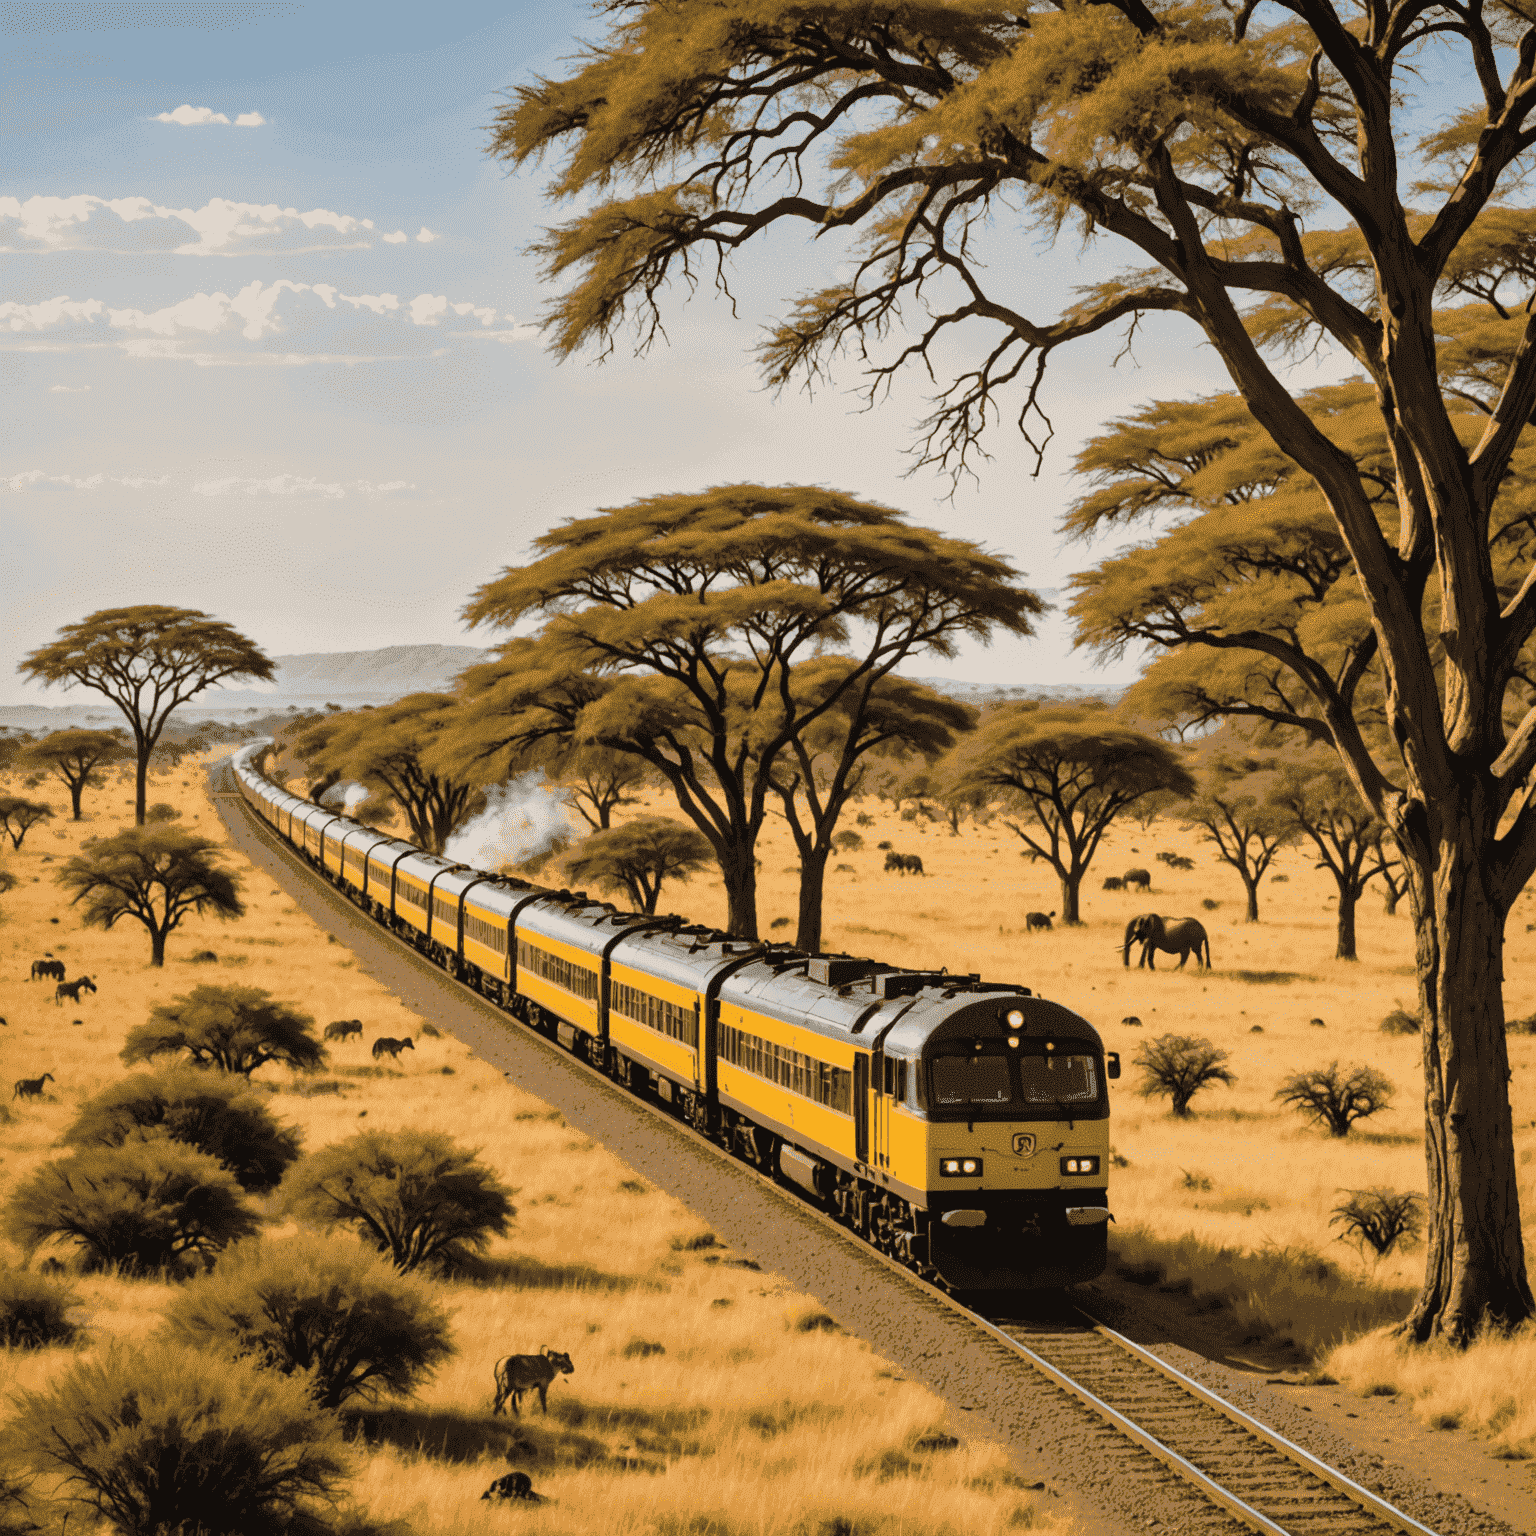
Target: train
x=960, y=1126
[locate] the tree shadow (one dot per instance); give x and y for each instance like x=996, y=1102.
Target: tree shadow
x=529, y=1274
x=1268, y=978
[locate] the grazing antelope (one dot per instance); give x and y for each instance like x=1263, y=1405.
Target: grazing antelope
x=72, y=990
x=516, y=1374
x=344, y=1027
x=391, y=1048
x=31, y=1087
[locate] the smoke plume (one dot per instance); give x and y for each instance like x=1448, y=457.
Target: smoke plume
x=522, y=818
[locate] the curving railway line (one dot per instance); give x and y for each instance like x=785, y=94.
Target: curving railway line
x=1144, y=1442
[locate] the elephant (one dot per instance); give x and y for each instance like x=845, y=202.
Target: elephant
x=1178, y=936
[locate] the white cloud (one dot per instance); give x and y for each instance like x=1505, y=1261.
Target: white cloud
x=192, y=117
x=31, y=477
x=250, y=120
x=426, y=237
x=296, y=485
x=34, y=317
x=253, y=309
x=398, y=238
x=68, y=389
x=222, y=227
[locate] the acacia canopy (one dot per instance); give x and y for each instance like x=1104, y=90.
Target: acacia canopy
x=1067, y=771
x=675, y=627
x=72, y=756
x=637, y=857
x=147, y=660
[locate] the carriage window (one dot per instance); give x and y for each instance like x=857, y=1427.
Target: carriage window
x=971, y=1080
x=1062, y=1079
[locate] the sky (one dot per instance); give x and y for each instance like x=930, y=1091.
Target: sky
x=270, y=346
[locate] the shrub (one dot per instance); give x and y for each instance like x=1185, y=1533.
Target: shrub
x=1525, y=1026
x=1178, y=1067
x=849, y=842
x=158, y=1439
x=1334, y=1098
x=1400, y=1022
x=159, y=812
x=146, y=1205
x=864, y=819
x=779, y=922
x=416, y=1195
x=32, y=1310
x=1210, y=904
x=331, y=1310
x=1175, y=861
x=1379, y=1217
x=236, y=1029
x=216, y=1114
x=885, y=847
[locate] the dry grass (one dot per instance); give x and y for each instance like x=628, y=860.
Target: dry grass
x=747, y=1411
x=1490, y=1387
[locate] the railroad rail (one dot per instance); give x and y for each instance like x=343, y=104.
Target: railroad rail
x=1247, y=1474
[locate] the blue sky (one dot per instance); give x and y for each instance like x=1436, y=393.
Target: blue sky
x=286, y=369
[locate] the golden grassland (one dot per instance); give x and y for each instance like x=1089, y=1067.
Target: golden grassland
x=708, y=1397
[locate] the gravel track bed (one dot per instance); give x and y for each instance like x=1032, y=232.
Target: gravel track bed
x=1109, y=1484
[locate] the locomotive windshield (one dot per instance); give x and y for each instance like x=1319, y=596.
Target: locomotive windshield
x=972, y=1079
x=996, y=1082
x=1058, y=1079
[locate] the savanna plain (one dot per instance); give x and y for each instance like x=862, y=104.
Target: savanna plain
x=707, y=1396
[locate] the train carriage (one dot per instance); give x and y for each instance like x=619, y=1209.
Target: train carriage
x=487, y=913
x=355, y=847
x=560, y=964
x=379, y=874
x=307, y=826
x=333, y=837
x=414, y=876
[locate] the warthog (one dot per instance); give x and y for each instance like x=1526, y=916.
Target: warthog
x=1114, y=883
x=344, y=1027
x=1035, y=921
x=1138, y=877
x=31, y=1087
x=516, y=1374
x=47, y=970
x=72, y=990
x=391, y=1048
x=512, y=1485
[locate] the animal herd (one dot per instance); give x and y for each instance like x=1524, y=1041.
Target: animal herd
x=903, y=864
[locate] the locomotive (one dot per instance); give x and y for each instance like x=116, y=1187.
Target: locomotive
x=959, y=1125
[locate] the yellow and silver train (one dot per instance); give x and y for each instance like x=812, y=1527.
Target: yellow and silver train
x=961, y=1126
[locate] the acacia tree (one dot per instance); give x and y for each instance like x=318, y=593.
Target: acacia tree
x=72, y=757
x=675, y=628
x=1235, y=812
x=638, y=857
x=157, y=875
x=18, y=816
x=232, y=1029
x=1314, y=795
x=393, y=749
x=1071, y=769
x=147, y=660
x=822, y=766
x=1196, y=141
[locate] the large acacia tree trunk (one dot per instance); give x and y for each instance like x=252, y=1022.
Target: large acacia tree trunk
x=1251, y=885
x=1071, y=886
x=813, y=879
x=1474, y=1251
x=738, y=868
x=1349, y=897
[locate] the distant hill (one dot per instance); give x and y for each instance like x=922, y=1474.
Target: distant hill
x=352, y=678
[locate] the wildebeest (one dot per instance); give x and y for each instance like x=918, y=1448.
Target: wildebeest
x=344, y=1027
x=31, y=1087
x=391, y=1048
x=1138, y=877
x=72, y=990
x=1114, y=883
x=512, y=1485
x=47, y=970
x=1175, y=936
x=1038, y=920
x=516, y=1374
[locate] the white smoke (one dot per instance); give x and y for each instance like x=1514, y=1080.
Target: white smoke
x=522, y=818
x=347, y=794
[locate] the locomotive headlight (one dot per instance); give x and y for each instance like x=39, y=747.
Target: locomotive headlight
x=1015, y=1019
x=1013, y=1040
x=1079, y=1165
x=960, y=1167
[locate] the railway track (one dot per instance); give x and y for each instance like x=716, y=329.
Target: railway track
x=1242, y=1474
